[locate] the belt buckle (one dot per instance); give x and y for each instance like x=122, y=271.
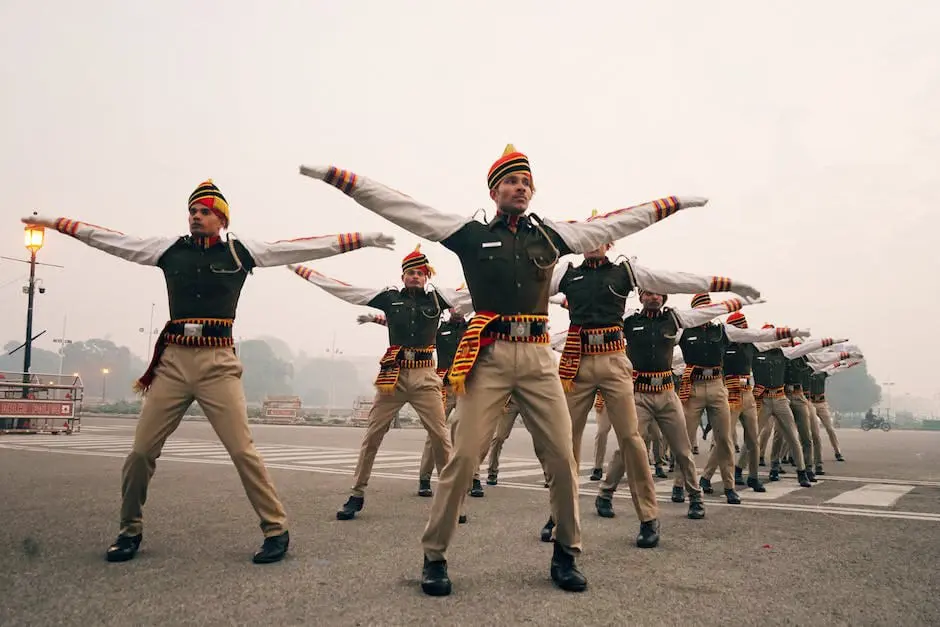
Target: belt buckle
x=409, y=354
x=657, y=381
x=707, y=372
x=595, y=339
x=518, y=329
x=192, y=329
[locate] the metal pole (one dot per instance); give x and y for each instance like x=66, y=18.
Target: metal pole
x=104, y=386
x=150, y=340
x=62, y=347
x=329, y=408
x=28, y=354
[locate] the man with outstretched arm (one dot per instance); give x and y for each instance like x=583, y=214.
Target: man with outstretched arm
x=194, y=357
x=507, y=265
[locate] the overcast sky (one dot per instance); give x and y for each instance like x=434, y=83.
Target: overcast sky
x=813, y=127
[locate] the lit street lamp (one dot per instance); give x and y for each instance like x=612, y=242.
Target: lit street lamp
x=104, y=384
x=34, y=236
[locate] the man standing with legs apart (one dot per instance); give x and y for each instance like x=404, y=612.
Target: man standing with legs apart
x=406, y=371
x=194, y=357
x=703, y=387
x=508, y=266
x=594, y=361
x=650, y=337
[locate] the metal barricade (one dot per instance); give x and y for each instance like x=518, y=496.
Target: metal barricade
x=40, y=403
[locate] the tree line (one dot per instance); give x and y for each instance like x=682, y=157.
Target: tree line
x=272, y=368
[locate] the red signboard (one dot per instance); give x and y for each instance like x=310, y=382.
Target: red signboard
x=26, y=408
x=273, y=411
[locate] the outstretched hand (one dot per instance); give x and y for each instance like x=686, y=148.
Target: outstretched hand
x=38, y=220
x=379, y=240
x=692, y=201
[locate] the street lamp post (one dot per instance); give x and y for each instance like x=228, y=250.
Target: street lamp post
x=888, y=385
x=104, y=384
x=34, y=236
x=333, y=351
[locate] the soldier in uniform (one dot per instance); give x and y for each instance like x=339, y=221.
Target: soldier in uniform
x=650, y=343
x=594, y=360
x=406, y=370
x=817, y=398
x=194, y=357
x=770, y=374
x=703, y=386
x=507, y=265
x=448, y=336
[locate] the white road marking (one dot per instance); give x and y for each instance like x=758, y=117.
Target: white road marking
x=872, y=495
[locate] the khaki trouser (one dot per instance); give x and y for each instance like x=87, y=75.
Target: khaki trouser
x=528, y=372
x=746, y=413
x=600, y=438
x=427, y=455
x=666, y=409
x=814, y=430
x=657, y=443
x=712, y=396
x=422, y=388
x=212, y=378
x=504, y=425
x=804, y=429
x=784, y=427
x=822, y=410
x=612, y=374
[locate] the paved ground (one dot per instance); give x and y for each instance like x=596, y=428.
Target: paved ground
x=860, y=548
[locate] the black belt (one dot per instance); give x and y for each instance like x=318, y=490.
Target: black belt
x=597, y=339
x=652, y=380
x=411, y=354
x=517, y=329
x=198, y=330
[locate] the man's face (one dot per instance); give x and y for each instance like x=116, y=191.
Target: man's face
x=513, y=194
x=651, y=302
x=203, y=222
x=597, y=254
x=414, y=278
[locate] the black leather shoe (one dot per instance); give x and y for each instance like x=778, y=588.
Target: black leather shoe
x=678, y=494
x=755, y=484
x=491, y=479
x=546, y=533
x=761, y=462
x=273, y=549
x=839, y=457
x=649, y=534
x=696, y=508
x=424, y=487
x=124, y=548
x=803, y=479
x=351, y=508
x=738, y=476
x=476, y=489
x=565, y=572
x=811, y=476
x=706, y=485
x=597, y=474
x=819, y=470
x=659, y=474
x=732, y=497
x=695, y=450
x=604, y=507
x=462, y=519
x=434, y=579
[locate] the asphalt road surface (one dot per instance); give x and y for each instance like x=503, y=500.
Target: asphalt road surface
x=862, y=547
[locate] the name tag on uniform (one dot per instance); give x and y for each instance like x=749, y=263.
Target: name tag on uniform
x=577, y=278
x=761, y=358
x=731, y=352
x=693, y=338
x=446, y=332
x=401, y=302
x=638, y=328
x=491, y=244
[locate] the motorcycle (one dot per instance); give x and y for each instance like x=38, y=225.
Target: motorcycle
x=875, y=422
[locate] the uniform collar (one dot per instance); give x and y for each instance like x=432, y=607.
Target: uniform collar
x=205, y=242
x=596, y=263
x=511, y=222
